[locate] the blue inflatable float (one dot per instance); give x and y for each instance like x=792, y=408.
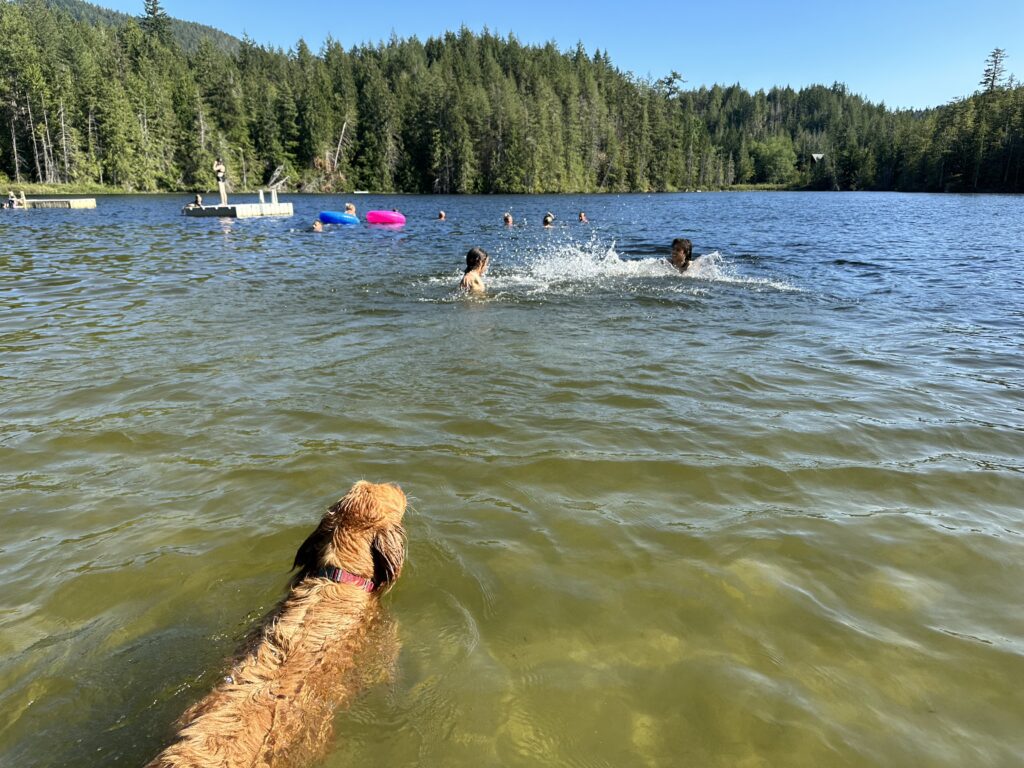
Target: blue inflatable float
x=337, y=217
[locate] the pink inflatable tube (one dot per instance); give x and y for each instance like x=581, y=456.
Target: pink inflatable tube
x=384, y=217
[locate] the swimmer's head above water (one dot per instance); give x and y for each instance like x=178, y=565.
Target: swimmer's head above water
x=476, y=265
x=477, y=258
x=682, y=253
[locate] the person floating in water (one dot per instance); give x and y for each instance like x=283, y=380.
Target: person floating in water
x=507, y=218
x=318, y=226
x=583, y=218
x=682, y=253
x=221, y=172
x=441, y=216
x=549, y=219
x=350, y=208
x=476, y=265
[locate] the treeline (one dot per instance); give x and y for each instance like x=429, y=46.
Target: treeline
x=128, y=106
x=187, y=34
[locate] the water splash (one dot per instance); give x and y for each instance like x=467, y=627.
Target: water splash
x=576, y=268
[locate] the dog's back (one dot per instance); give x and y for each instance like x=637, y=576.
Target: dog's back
x=276, y=704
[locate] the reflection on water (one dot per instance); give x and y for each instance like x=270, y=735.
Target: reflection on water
x=762, y=513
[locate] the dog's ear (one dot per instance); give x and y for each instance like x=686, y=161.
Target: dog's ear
x=308, y=556
x=388, y=551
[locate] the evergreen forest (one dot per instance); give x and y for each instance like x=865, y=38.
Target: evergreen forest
x=89, y=97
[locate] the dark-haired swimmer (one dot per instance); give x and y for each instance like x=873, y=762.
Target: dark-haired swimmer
x=318, y=226
x=476, y=266
x=682, y=253
x=583, y=218
x=507, y=218
x=549, y=219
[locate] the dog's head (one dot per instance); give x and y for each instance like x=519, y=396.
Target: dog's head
x=362, y=533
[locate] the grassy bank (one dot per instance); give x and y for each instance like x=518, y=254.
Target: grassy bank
x=58, y=190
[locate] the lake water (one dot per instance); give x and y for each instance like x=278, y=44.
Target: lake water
x=767, y=513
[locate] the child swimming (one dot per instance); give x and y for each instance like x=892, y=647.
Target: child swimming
x=682, y=253
x=476, y=266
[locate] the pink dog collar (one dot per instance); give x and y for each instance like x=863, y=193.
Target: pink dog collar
x=341, y=576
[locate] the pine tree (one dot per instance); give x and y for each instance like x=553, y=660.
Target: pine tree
x=155, y=22
x=995, y=70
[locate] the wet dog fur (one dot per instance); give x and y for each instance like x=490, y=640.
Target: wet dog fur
x=276, y=705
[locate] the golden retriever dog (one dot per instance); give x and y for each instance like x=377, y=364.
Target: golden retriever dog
x=275, y=706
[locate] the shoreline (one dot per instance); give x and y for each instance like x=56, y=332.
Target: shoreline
x=64, y=190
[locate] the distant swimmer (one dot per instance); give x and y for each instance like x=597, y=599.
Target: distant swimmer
x=197, y=202
x=476, y=266
x=549, y=219
x=507, y=218
x=318, y=226
x=350, y=208
x=583, y=218
x=682, y=253
x=441, y=216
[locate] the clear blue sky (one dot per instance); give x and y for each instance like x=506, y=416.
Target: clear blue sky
x=907, y=53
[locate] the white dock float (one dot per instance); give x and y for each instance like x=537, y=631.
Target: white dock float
x=62, y=202
x=241, y=210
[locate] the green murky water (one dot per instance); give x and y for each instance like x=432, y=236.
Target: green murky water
x=767, y=514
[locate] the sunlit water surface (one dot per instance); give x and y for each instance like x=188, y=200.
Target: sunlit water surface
x=767, y=513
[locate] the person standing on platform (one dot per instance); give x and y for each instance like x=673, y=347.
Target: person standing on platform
x=221, y=172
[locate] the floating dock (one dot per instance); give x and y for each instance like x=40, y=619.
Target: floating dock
x=61, y=202
x=241, y=210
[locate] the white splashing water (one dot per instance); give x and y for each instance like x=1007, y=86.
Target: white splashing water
x=579, y=267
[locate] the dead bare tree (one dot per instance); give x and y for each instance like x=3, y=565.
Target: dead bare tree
x=276, y=181
x=14, y=145
x=64, y=142
x=32, y=133
x=337, y=152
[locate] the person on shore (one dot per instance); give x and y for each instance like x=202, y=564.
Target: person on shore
x=221, y=172
x=682, y=253
x=441, y=216
x=318, y=226
x=549, y=220
x=583, y=218
x=507, y=218
x=476, y=265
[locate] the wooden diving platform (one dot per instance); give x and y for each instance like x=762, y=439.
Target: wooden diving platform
x=241, y=210
x=61, y=202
